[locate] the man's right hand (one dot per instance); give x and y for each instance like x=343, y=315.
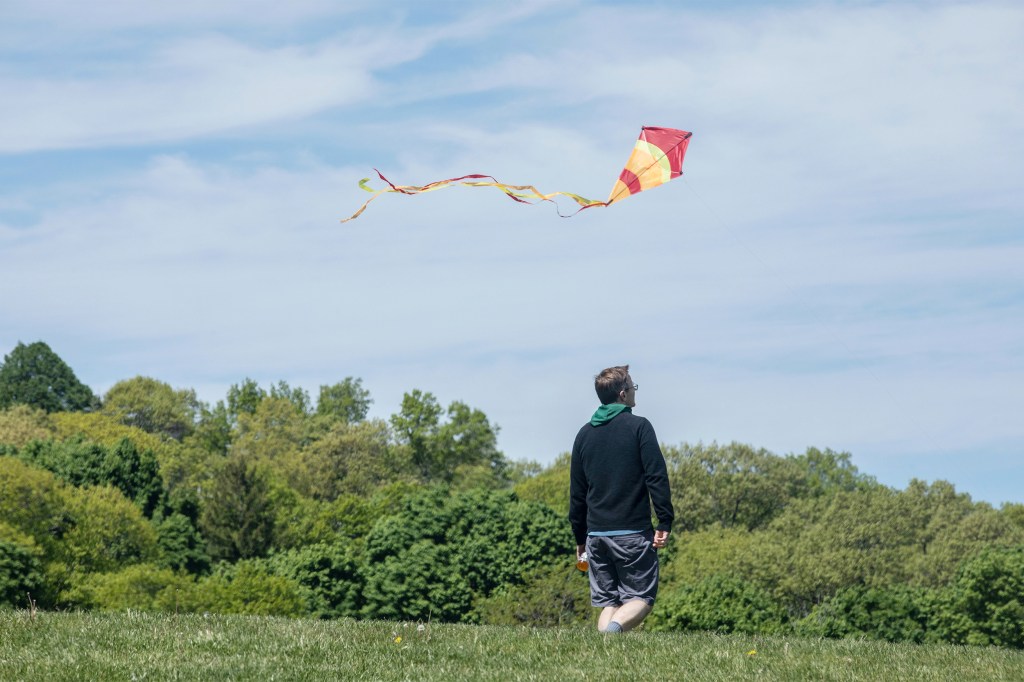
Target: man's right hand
x=660, y=538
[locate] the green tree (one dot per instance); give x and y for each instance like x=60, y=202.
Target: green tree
x=244, y=398
x=237, y=517
x=34, y=502
x=468, y=441
x=985, y=603
x=78, y=462
x=330, y=575
x=699, y=555
x=730, y=486
x=107, y=531
x=819, y=546
x=346, y=401
x=275, y=429
x=946, y=541
x=444, y=451
x=1014, y=513
x=134, y=473
x=499, y=538
x=182, y=548
x=104, y=430
x=349, y=459
x=297, y=396
x=302, y=521
x=21, y=424
x=416, y=426
x=824, y=472
x=153, y=406
x=550, y=486
x=36, y=376
x=213, y=431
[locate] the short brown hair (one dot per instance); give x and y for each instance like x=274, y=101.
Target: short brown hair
x=610, y=382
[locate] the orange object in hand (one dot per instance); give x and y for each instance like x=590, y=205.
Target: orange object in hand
x=583, y=562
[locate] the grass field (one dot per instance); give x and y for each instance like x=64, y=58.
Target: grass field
x=141, y=646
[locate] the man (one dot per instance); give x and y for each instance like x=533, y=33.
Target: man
x=616, y=472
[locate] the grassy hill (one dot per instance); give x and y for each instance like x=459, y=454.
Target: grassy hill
x=136, y=646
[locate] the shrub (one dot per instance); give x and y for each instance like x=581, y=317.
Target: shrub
x=20, y=572
x=985, y=603
x=418, y=583
x=720, y=603
x=551, y=596
x=249, y=587
x=896, y=614
x=441, y=551
x=144, y=587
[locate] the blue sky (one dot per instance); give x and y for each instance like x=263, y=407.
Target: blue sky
x=840, y=266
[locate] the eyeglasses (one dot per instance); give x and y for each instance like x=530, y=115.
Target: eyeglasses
x=636, y=387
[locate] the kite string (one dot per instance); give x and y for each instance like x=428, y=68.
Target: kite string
x=895, y=403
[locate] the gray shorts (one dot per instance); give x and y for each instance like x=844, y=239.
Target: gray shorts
x=622, y=568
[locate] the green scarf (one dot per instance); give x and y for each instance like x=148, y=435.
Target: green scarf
x=606, y=413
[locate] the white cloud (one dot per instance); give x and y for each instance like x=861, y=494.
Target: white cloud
x=184, y=84
x=192, y=88
x=68, y=16
x=839, y=268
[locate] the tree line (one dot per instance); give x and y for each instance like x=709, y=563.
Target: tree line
x=271, y=502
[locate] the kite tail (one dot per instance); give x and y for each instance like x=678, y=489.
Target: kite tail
x=521, y=193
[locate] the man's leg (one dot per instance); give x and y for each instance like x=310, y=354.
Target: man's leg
x=606, y=617
x=627, y=616
x=630, y=614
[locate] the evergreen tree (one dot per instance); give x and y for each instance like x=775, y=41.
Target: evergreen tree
x=34, y=375
x=237, y=517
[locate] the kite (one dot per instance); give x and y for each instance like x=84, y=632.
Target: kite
x=657, y=158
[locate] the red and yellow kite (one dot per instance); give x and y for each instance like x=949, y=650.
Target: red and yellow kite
x=657, y=158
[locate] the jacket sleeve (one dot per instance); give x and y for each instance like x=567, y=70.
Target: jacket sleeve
x=656, y=477
x=577, y=495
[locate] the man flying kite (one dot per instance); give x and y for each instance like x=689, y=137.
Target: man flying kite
x=657, y=158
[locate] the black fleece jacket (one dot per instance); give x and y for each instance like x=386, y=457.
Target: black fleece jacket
x=616, y=472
